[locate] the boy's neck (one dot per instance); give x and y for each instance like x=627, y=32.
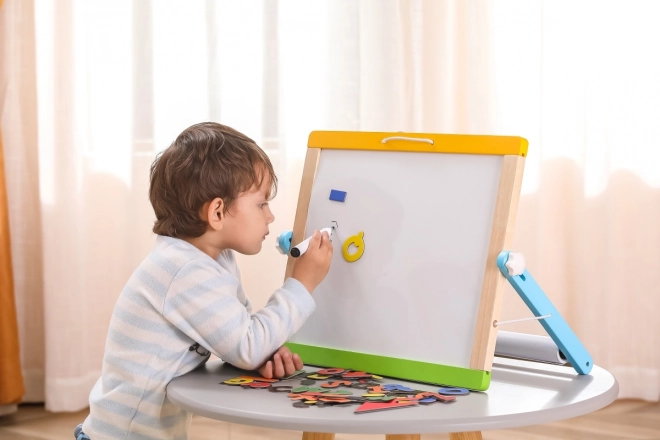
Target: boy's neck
x=205, y=245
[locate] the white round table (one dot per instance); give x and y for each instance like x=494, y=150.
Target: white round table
x=521, y=393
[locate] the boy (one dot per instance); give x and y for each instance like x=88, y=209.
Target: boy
x=210, y=192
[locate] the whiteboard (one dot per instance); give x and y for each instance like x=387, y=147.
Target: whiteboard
x=427, y=220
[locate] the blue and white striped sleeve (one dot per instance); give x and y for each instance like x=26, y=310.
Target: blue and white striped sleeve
x=202, y=302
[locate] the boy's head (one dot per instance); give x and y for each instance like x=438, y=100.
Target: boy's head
x=213, y=179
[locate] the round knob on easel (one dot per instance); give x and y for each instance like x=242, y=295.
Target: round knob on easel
x=283, y=242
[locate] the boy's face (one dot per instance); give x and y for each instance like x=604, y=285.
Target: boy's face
x=246, y=222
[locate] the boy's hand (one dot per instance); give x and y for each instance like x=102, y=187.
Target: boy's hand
x=311, y=267
x=282, y=364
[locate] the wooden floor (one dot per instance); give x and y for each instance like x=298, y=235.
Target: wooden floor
x=624, y=419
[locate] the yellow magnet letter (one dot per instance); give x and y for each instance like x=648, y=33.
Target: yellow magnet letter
x=358, y=242
x=237, y=381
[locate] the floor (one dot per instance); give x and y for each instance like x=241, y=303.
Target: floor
x=624, y=419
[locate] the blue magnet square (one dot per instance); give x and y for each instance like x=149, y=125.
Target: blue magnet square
x=337, y=196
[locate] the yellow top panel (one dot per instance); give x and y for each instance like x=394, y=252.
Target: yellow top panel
x=420, y=142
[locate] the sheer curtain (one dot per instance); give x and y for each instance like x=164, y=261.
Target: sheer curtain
x=117, y=81
x=11, y=379
x=579, y=80
x=18, y=129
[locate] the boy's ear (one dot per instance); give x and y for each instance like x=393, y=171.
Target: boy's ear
x=215, y=213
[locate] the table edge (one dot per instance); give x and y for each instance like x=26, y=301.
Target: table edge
x=421, y=426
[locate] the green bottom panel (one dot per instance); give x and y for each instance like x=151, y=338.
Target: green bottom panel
x=393, y=367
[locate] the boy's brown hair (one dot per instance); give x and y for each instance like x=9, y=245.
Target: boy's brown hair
x=206, y=161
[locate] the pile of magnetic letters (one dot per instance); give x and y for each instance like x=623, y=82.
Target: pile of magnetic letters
x=333, y=387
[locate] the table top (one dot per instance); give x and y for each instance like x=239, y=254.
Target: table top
x=521, y=393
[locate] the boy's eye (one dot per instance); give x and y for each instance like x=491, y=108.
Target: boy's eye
x=263, y=204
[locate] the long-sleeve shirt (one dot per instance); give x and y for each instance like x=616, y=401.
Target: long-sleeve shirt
x=179, y=306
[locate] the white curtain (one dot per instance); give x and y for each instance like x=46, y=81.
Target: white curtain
x=96, y=89
x=579, y=80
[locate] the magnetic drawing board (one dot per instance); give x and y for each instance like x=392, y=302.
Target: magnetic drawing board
x=414, y=287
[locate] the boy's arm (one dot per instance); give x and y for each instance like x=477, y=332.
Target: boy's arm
x=202, y=302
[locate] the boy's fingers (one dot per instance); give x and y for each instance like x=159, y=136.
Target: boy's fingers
x=323, y=243
x=327, y=245
x=297, y=362
x=279, y=368
x=289, y=368
x=267, y=370
x=316, y=240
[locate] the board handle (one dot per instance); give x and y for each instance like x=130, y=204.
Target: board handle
x=403, y=138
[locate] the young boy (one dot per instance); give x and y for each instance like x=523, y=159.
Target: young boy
x=210, y=191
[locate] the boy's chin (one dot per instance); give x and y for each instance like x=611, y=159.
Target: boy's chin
x=254, y=250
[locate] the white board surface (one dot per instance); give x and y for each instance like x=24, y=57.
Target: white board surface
x=427, y=221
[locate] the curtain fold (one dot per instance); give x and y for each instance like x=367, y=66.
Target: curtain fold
x=18, y=110
x=11, y=379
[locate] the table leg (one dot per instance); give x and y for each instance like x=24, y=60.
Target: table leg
x=402, y=437
x=318, y=436
x=475, y=435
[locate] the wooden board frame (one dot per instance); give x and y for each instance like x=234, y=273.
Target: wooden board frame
x=306, y=184
x=513, y=150
x=504, y=221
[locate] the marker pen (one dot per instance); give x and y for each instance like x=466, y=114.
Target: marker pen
x=301, y=248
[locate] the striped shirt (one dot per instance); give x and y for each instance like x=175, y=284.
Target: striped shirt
x=178, y=306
